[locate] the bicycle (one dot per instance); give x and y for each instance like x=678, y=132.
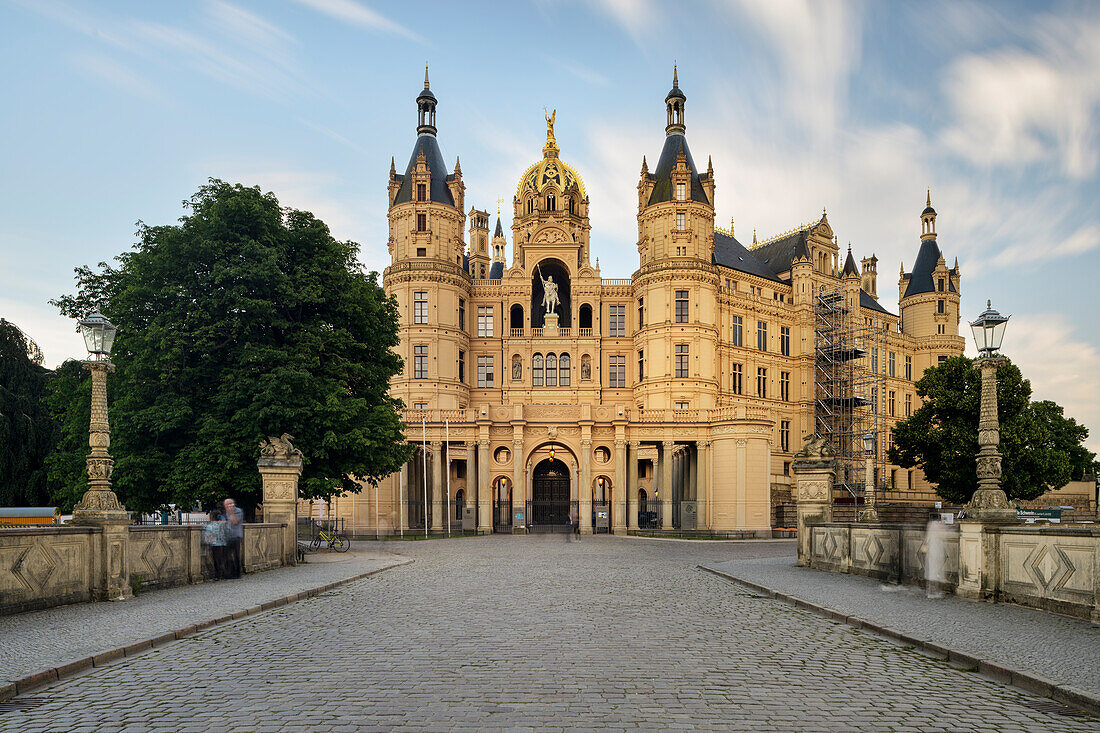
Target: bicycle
x=335, y=541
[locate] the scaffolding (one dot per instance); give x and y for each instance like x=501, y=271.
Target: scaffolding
x=849, y=365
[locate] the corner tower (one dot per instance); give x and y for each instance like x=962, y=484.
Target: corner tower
x=676, y=284
x=929, y=300
x=427, y=276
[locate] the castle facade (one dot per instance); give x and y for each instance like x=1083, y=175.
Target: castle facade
x=541, y=395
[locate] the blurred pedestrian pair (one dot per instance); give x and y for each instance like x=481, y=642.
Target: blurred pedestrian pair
x=223, y=535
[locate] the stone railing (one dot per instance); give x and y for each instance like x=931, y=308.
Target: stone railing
x=52, y=566
x=1053, y=568
x=516, y=333
x=584, y=333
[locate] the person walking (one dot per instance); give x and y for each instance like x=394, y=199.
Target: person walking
x=234, y=537
x=214, y=539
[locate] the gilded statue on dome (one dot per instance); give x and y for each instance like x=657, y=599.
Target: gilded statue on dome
x=550, y=127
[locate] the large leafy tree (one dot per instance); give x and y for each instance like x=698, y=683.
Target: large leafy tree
x=26, y=431
x=1041, y=448
x=244, y=320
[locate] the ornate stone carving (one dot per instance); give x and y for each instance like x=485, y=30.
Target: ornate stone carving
x=280, y=448
x=813, y=490
x=815, y=447
x=280, y=490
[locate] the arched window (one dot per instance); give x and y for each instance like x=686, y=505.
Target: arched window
x=563, y=370
x=530, y=205
x=551, y=203
x=460, y=503
x=572, y=206
x=586, y=316
x=516, y=316
x=551, y=370
x=536, y=370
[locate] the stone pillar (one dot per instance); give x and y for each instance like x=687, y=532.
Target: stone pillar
x=666, y=484
x=280, y=465
x=702, y=460
x=403, y=499
x=989, y=503
x=584, y=489
x=519, y=488
x=814, y=468
x=619, y=493
x=692, y=492
x=99, y=506
x=438, y=518
x=484, y=500
x=471, y=478
x=632, y=507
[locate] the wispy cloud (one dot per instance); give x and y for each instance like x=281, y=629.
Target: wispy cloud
x=639, y=18
x=122, y=77
x=584, y=73
x=358, y=14
x=817, y=45
x=1013, y=106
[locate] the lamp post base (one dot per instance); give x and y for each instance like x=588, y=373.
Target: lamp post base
x=990, y=506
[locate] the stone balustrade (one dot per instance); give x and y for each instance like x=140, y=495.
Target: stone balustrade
x=1054, y=568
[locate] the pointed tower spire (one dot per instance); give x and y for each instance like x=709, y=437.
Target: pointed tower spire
x=645, y=167
x=458, y=166
x=425, y=103
x=674, y=106
x=754, y=243
x=426, y=76
x=675, y=76
x=393, y=167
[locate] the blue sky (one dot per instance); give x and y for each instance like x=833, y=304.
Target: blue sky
x=117, y=111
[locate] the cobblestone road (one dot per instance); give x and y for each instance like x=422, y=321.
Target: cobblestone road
x=539, y=633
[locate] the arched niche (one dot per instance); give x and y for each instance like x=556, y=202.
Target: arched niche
x=585, y=316
x=515, y=316
x=556, y=269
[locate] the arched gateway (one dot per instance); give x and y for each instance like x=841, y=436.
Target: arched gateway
x=550, y=497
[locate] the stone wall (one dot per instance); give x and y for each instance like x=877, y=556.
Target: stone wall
x=48, y=566
x=1052, y=568
x=51, y=566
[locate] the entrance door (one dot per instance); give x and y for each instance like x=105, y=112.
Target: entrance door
x=550, y=494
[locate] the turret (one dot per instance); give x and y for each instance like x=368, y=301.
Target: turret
x=870, y=275
x=479, y=243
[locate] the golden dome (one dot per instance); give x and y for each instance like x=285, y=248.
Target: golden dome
x=549, y=171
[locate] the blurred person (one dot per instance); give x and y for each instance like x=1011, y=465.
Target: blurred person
x=935, y=545
x=214, y=538
x=234, y=537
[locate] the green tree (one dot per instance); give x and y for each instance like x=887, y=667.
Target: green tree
x=26, y=431
x=70, y=402
x=244, y=320
x=1041, y=448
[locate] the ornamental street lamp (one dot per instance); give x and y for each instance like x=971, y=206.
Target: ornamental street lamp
x=989, y=502
x=869, y=512
x=100, y=504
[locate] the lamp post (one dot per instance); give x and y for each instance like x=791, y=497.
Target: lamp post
x=989, y=502
x=99, y=503
x=869, y=512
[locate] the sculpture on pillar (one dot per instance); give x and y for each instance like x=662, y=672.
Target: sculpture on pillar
x=280, y=448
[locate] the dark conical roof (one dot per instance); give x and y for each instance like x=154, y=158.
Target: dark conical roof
x=850, y=267
x=500, y=230
x=438, y=190
x=675, y=143
x=920, y=279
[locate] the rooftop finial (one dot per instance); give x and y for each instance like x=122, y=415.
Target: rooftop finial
x=754, y=235
x=928, y=201
x=425, y=75
x=675, y=76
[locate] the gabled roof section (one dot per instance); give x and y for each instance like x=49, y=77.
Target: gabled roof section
x=728, y=252
x=866, y=301
x=438, y=190
x=662, y=190
x=779, y=253
x=920, y=279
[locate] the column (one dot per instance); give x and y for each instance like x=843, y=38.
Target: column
x=632, y=507
x=471, y=476
x=692, y=491
x=703, y=461
x=584, y=489
x=619, y=493
x=814, y=469
x=666, y=484
x=484, y=500
x=519, y=490
x=403, y=499
x=437, y=486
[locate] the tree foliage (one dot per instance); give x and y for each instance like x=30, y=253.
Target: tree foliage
x=26, y=431
x=1041, y=448
x=244, y=320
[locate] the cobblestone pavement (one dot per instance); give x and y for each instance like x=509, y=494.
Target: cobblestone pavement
x=41, y=639
x=1060, y=649
x=539, y=633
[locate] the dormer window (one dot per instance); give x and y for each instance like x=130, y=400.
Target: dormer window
x=421, y=192
x=680, y=191
x=940, y=285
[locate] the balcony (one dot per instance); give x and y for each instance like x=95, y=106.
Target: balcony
x=517, y=333
x=584, y=332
